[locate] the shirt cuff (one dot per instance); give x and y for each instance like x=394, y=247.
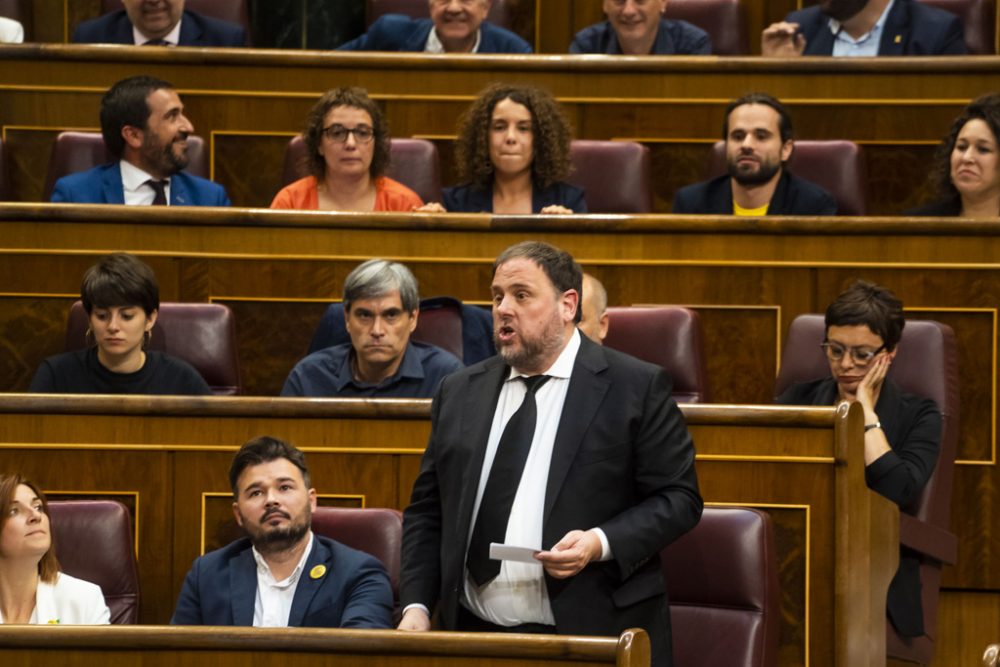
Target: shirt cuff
x=417, y=605
x=605, y=545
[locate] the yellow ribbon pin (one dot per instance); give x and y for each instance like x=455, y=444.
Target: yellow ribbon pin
x=317, y=572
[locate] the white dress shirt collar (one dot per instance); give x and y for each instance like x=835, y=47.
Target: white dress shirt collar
x=434, y=44
x=865, y=45
x=562, y=367
x=273, y=603
x=137, y=191
x=172, y=38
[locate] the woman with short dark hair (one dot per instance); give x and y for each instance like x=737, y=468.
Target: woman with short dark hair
x=122, y=300
x=32, y=589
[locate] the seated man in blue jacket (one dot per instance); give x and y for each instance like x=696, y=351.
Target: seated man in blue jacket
x=158, y=23
x=282, y=575
x=865, y=28
x=758, y=135
x=144, y=126
x=455, y=26
x=637, y=28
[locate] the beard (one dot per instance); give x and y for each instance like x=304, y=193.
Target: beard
x=532, y=350
x=278, y=539
x=163, y=156
x=766, y=170
x=842, y=10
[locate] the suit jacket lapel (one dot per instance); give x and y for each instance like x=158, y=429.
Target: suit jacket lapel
x=417, y=40
x=586, y=392
x=190, y=31
x=779, y=200
x=896, y=31
x=179, y=194
x=111, y=186
x=307, y=586
x=822, y=43
x=243, y=587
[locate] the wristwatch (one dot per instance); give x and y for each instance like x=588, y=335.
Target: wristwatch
x=869, y=427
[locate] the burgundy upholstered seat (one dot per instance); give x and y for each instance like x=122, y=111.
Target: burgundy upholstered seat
x=978, y=22
x=73, y=152
x=722, y=582
x=500, y=13
x=615, y=175
x=723, y=20
x=836, y=166
x=233, y=11
x=668, y=336
x=412, y=162
x=375, y=531
x=93, y=540
x=202, y=334
x=926, y=365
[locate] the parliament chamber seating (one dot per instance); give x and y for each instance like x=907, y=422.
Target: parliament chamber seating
x=614, y=175
x=978, y=22
x=723, y=20
x=412, y=162
x=836, y=166
x=926, y=365
x=722, y=583
x=73, y=152
x=376, y=531
x=668, y=336
x=93, y=540
x=202, y=334
x=233, y=11
x=500, y=12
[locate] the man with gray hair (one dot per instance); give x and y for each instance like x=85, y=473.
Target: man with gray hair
x=381, y=305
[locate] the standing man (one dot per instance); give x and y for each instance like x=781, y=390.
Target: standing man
x=158, y=23
x=281, y=574
x=559, y=445
x=144, y=127
x=758, y=135
x=638, y=28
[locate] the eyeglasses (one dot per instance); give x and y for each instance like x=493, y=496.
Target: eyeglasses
x=861, y=355
x=337, y=133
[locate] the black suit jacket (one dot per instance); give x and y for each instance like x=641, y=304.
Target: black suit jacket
x=911, y=29
x=196, y=30
x=622, y=461
x=793, y=196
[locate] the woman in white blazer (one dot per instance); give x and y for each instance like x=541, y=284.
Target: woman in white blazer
x=32, y=589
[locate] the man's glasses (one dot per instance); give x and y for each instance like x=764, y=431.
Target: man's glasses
x=338, y=133
x=861, y=355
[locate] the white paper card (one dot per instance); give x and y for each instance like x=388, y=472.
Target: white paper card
x=511, y=552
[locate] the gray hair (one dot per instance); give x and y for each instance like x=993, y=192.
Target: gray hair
x=377, y=277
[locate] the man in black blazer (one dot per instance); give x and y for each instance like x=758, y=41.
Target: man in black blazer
x=608, y=480
x=158, y=22
x=865, y=28
x=758, y=135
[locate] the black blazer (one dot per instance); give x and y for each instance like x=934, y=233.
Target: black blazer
x=196, y=30
x=793, y=196
x=911, y=29
x=470, y=199
x=622, y=461
x=943, y=208
x=912, y=425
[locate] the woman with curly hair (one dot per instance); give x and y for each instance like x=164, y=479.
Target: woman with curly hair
x=513, y=154
x=967, y=167
x=347, y=144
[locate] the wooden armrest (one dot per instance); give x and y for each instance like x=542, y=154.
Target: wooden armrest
x=927, y=539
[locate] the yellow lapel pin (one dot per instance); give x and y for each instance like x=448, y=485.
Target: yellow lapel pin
x=317, y=572
x=898, y=39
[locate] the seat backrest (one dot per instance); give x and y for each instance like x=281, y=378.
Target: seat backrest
x=73, y=152
x=375, y=531
x=722, y=583
x=93, y=540
x=500, y=12
x=412, y=162
x=926, y=365
x=668, y=336
x=233, y=11
x=614, y=175
x=978, y=22
x=202, y=334
x=836, y=166
x=723, y=20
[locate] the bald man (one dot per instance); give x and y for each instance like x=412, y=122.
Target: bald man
x=594, y=321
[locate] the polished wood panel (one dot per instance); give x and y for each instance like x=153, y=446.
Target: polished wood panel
x=967, y=623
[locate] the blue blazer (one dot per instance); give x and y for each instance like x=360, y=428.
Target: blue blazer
x=793, y=196
x=470, y=199
x=352, y=591
x=911, y=29
x=103, y=185
x=196, y=30
x=672, y=38
x=395, y=32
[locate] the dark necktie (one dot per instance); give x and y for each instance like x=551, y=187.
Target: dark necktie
x=156, y=42
x=502, y=483
x=160, y=198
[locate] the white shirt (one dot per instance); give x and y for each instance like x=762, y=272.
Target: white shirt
x=172, y=38
x=11, y=32
x=867, y=45
x=518, y=594
x=434, y=44
x=69, y=601
x=137, y=191
x=274, y=598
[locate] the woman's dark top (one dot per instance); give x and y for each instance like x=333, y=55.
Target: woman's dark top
x=944, y=208
x=912, y=425
x=80, y=372
x=473, y=199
